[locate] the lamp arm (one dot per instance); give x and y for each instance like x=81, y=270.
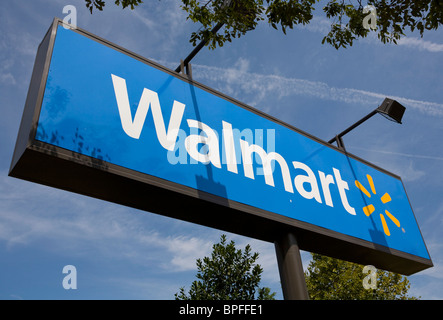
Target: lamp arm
x=198, y=47
x=341, y=134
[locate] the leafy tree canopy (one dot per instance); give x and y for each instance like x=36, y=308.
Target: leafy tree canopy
x=228, y=274
x=333, y=279
x=393, y=17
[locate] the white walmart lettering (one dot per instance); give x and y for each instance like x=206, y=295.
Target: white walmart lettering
x=201, y=133
x=134, y=127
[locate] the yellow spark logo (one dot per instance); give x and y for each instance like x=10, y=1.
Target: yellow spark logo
x=369, y=209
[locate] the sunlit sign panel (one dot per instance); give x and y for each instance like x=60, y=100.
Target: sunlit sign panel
x=104, y=122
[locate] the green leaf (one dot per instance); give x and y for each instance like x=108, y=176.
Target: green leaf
x=394, y=18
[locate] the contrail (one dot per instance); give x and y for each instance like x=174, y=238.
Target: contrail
x=260, y=86
x=399, y=153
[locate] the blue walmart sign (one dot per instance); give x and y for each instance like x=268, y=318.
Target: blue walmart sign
x=105, y=104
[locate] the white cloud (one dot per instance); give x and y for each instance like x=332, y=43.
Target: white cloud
x=186, y=250
x=420, y=44
x=7, y=78
x=318, y=25
x=167, y=31
x=147, y=22
x=66, y=222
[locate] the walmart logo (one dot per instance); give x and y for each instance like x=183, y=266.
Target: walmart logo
x=369, y=209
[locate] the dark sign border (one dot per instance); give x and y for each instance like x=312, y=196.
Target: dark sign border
x=53, y=166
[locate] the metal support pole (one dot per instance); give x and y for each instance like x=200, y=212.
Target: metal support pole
x=186, y=70
x=359, y=122
x=340, y=143
x=291, y=268
x=197, y=48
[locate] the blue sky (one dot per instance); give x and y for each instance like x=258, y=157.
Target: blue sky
x=123, y=253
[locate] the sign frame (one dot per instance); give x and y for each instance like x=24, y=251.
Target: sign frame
x=50, y=165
